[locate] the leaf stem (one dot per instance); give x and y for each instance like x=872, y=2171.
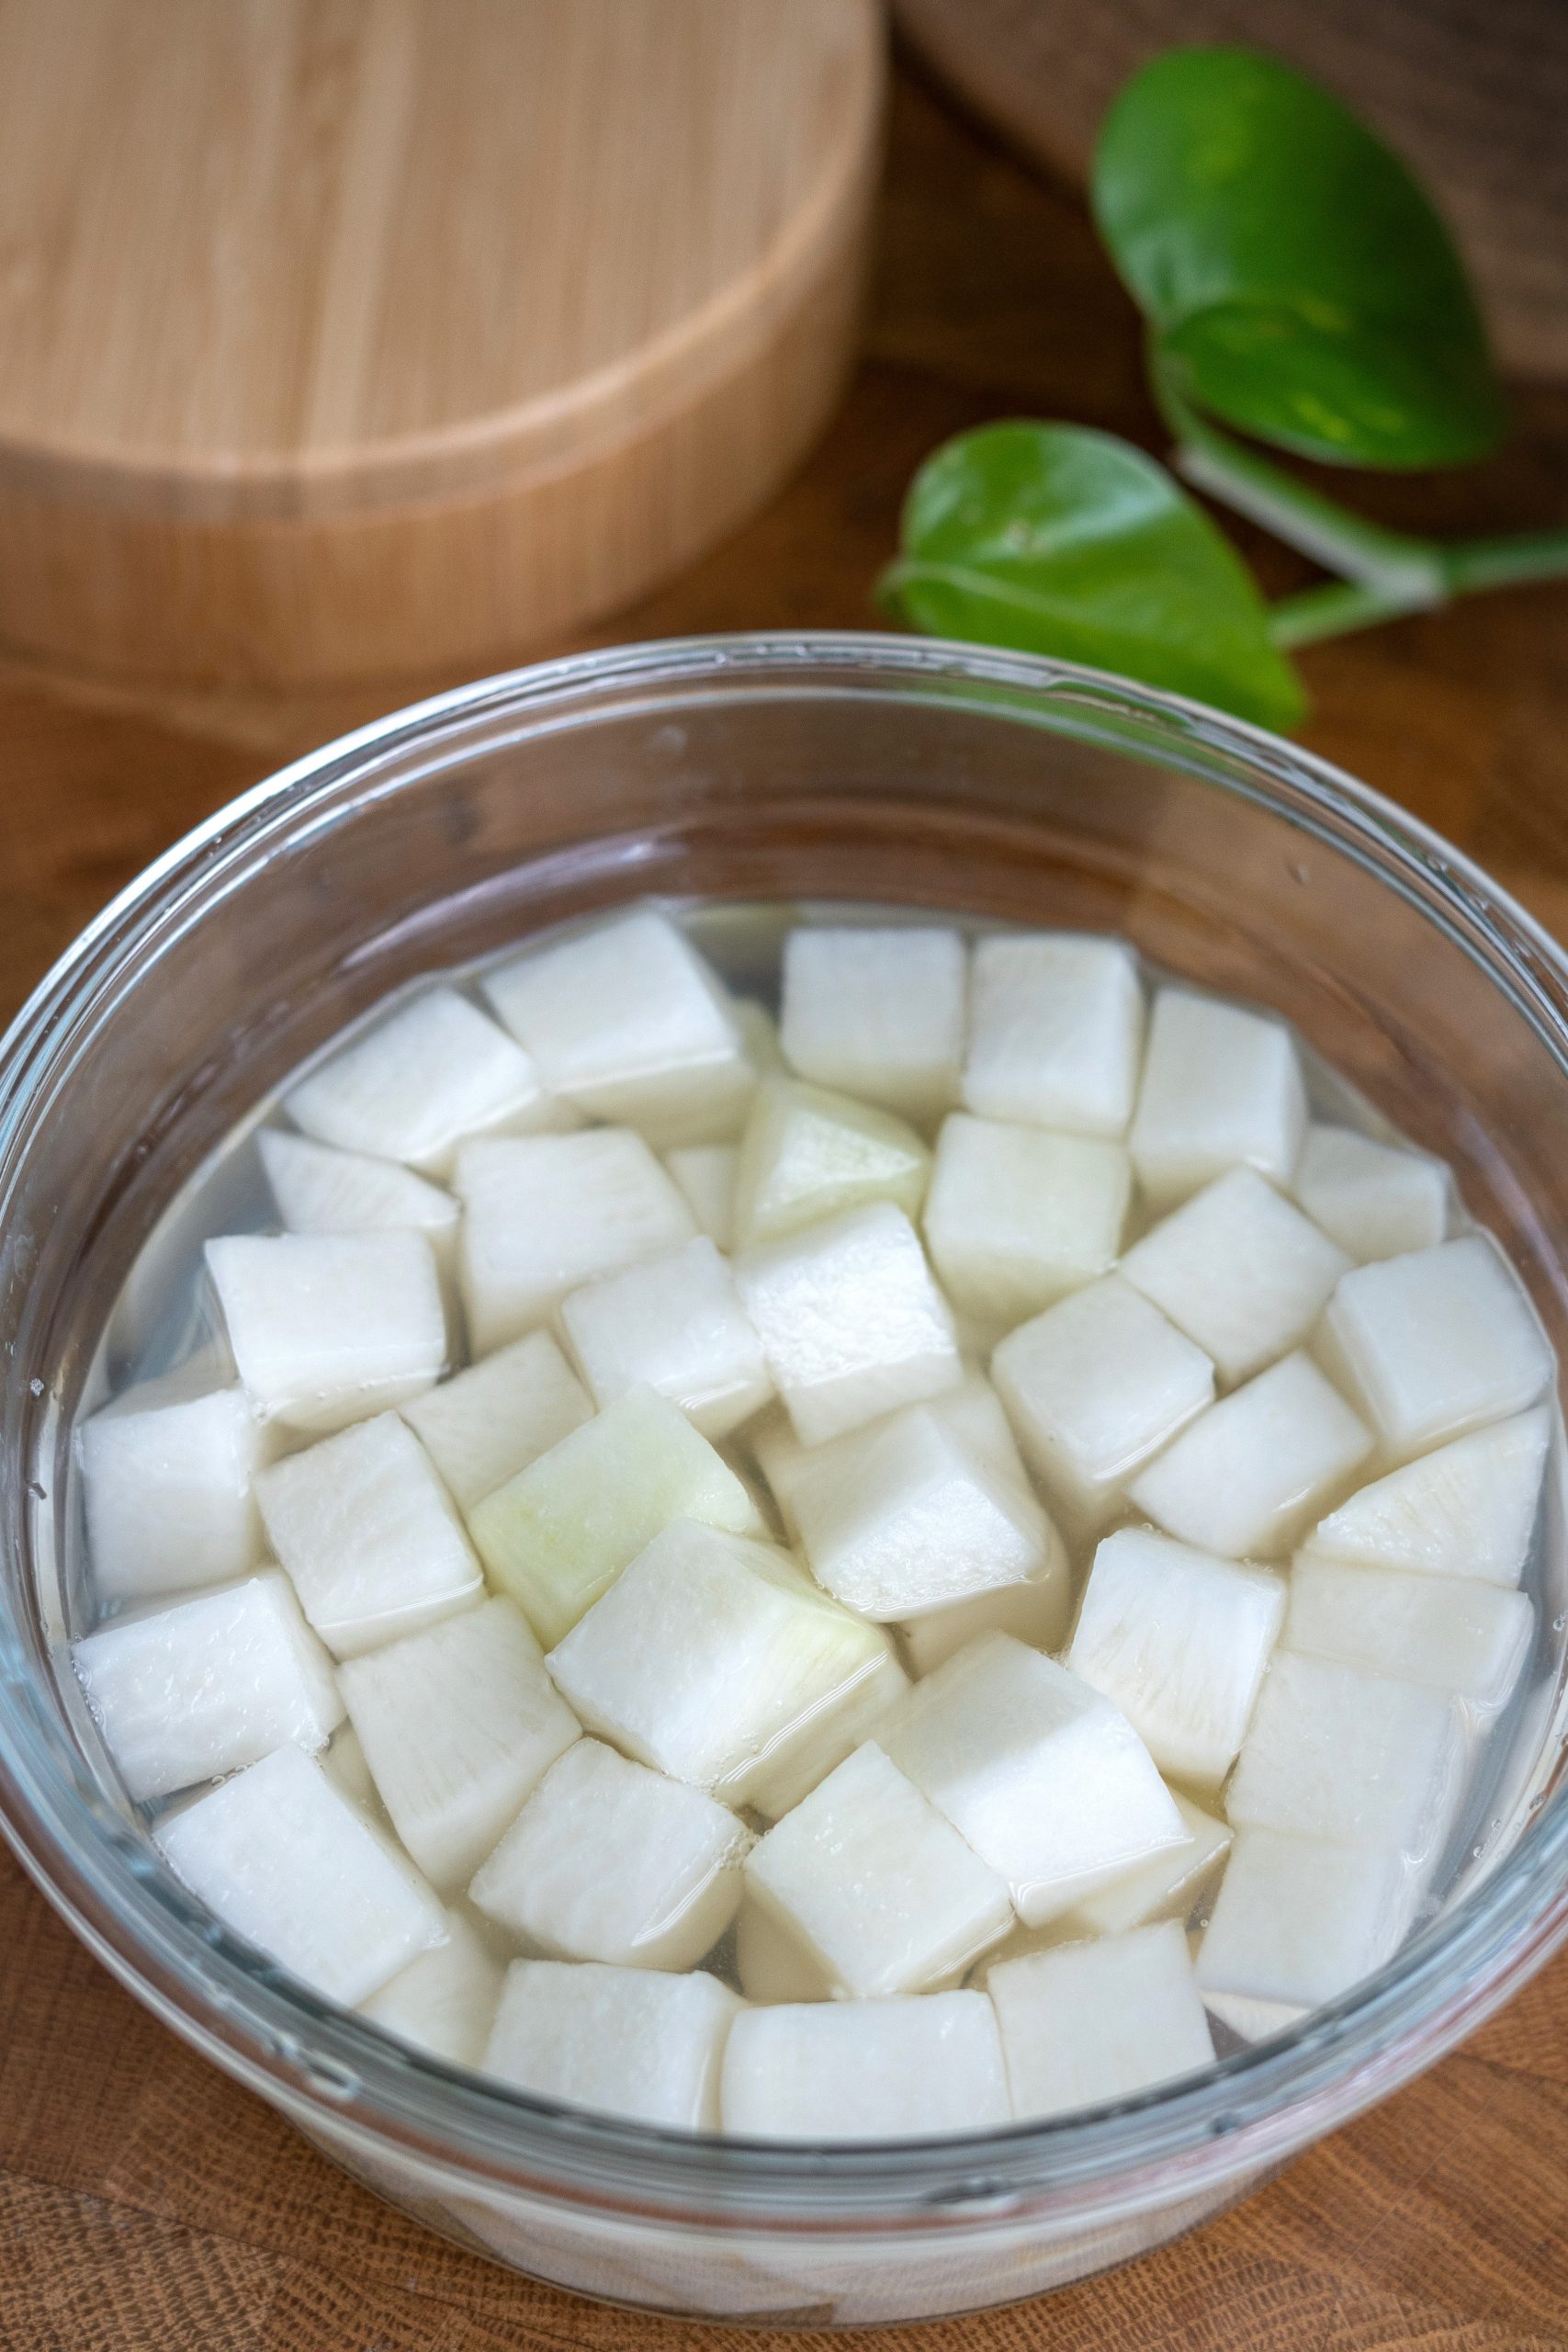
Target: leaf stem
x=1333, y=610
x=1470, y=564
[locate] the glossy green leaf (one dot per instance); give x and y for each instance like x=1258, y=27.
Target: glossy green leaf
x=1298, y=281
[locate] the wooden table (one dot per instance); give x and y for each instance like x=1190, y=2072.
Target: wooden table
x=145, y=2201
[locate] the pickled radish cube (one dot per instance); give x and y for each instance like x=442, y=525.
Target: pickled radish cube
x=1018, y=1216
x=458, y=1725
x=1359, y=1758
x=911, y=2066
x=799, y=1757
x=1045, y=1779
x=1178, y=1641
x=1451, y=1632
x=285, y=1860
x=1056, y=1033
x=500, y=1415
x=167, y=1482
x=562, y=1530
x=1246, y=1475
x=1377, y=1200
x=1221, y=1088
x=808, y=1153
x=1299, y=1920
x=1239, y=1271
x=972, y=1412
x=633, y=2042
x=674, y=1324
x=770, y=1965
x=445, y=2000
x=1166, y=1888
x=610, y=1861
x=1467, y=1509
x=1090, y=2022
x=369, y=1534
x=1438, y=1341
x=321, y=1190
x=328, y=1327
x=627, y=1022
x=209, y=1685
x=705, y=1175
x=878, y=1012
x=1094, y=1387
x=1035, y=1611
x=876, y=1884
x=851, y=1321
x=412, y=1087
x=546, y=1213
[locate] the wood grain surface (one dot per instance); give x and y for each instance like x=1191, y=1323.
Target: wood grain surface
x=146, y=2205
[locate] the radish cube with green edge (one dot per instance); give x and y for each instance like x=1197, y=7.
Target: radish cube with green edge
x=632, y=2041
x=1239, y=1271
x=1252, y=2020
x=458, y=1725
x=1036, y=1611
x=876, y=1885
x=706, y=1651
x=210, y=1684
x=851, y=1321
x=1376, y=1200
x=167, y=1482
x=627, y=1022
x=912, y=2067
x=705, y=1175
x=608, y=1861
x=546, y=1213
x=1221, y=1088
x=482, y=1427
x=878, y=1011
x=1166, y=1888
x=807, y=1154
x=1018, y=1216
x=1299, y=1920
x=329, y=1328
x=1357, y=1759
x=673, y=1324
x=1467, y=1509
x=798, y=1758
x=369, y=1535
x=318, y=1189
x=1090, y=2022
x=770, y=1965
x=285, y=1860
x=434, y=1071
x=1094, y=1387
x=445, y=2000
x=1246, y=1475
x=1047, y=1779
x=1056, y=1033
x=560, y=1532
x=1178, y=1641
x=1437, y=1342
x=1450, y=1632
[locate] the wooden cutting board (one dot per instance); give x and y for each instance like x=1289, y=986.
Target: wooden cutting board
x=339, y=337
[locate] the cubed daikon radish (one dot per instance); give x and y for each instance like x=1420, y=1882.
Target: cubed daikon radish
x=1018, y=1216
x=1252, y=2020
x=770, y=1965
x=1221, y=1088
x=972, y=1412
x=1166, y=1888
x=705, y=1174
x=1056, y=1033
x=166, y=1480
x=1299, y=1920
x=367, y=1533
x=608, y=1861
x=674, y=1324
x=213, y=1683
x=1239, y=1270
x=1035, y=1611
x=320, y=1188
x=808, y=1153
x=908, y=2067
x=1467, y=1509
x=633, y=2042
x=459, y=1725
x=1451, y=1632
x=445, y=2000
x=795, y=1761
x=1355, y=1757
x=760, y=1035
x=851, y=1321
x=1376, y=1200
x=329, y=1328
x=878, y=1012
x=500, y=1415
x=343, y=1760
x=285, y=1860
x=1247, y=1474
x=1090, y=2022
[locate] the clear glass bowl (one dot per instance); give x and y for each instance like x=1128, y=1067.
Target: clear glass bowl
x=777, y=767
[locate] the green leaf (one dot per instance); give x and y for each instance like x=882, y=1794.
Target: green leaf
x=1055, y=539
x=1299, y=283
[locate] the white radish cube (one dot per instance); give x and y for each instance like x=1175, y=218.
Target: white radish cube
x=1166, y=1888
x=771, y=1965
x=321, y=1190
x=1221, y=1088
x=913, y=2066
x=705, y=1174
x=805, y=1754
x=627, y=1022
x=1451, y=1632
x=1018, y=1216
x=1045, y=1779
x=632, y=2041
x=705, y=1651
x=328, y=1327
x=1375, y=1199
x=1299, y=1920
x=1438, y=1341
x=459, y=1725
x=973, y=1412
x=1355, y=1757
x=562, y=1531
x=608, y=1861
x=1056, y=1033
x=500, y=1415
x=851, y=1321
x=807, y=1154
x=1467, y=1509
x=166, y=1480
x=1094, y=1387
x=1035, y=1611
x=674, y=1324
x=1252, y=2020
x=443, y=2002
x=285, y=1860
x=367, y=1533
x=343, y=1760
x=877, y=1011
x=1246, y=1475
x=1090, y=2022
x=760, y=1035
x=1239, y=1271
x=209, y=1685
x=876, y=1885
